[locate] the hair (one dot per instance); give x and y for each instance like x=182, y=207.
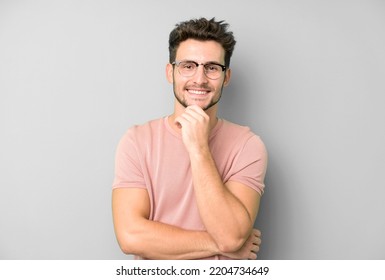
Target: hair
x=203, y=30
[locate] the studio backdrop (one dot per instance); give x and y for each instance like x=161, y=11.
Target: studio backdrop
x=308, y=77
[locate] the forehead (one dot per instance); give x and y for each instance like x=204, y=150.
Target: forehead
x=200, y=51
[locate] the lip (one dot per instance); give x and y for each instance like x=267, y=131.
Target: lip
x=198, y=92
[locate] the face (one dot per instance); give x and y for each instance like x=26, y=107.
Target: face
x=198, y=89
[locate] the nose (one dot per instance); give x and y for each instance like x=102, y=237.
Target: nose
x=200, y=76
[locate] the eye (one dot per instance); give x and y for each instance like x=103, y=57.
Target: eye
x=187, y=65
x=212, y=68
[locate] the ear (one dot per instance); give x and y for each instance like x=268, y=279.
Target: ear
x=170, y=73
x=227, y=77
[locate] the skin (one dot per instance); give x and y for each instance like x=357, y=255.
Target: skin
x=228, y=210
x=201, y=52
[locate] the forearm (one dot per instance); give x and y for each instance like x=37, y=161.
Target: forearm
x=227, y=211
x=224, y=216
x=154, y=240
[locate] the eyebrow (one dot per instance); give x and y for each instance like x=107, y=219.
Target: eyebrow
x=208, y=62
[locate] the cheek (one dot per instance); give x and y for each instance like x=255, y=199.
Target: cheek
x=179, y=83
x=219, y=86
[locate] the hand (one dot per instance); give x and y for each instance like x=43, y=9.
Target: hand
x=195, y=126
x=250, y=249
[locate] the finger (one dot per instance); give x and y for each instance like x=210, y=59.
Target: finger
x=197, y=111
x=257, y=232
x=252, y=256
x=190, y=116
x=257, y=241
x=181, y=121
x=196, y=108
x=193, y=116
x=255, y=249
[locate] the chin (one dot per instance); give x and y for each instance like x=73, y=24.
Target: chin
x=204, y=103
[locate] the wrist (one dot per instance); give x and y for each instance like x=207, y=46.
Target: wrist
x=199, y=152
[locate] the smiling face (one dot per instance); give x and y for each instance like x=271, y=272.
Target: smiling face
x=198, y=89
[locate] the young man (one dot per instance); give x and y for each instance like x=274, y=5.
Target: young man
x=188, y=186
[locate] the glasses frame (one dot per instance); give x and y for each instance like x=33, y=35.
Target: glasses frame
x=176, y=62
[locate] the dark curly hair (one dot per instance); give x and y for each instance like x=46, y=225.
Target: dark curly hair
x=202, y=29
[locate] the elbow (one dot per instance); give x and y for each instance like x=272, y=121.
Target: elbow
x=231, y=242
x=128, y=245
x=230, y=245
x=126, y=248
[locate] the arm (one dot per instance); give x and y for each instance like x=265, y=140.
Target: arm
x=153, y=240
x=228, y=210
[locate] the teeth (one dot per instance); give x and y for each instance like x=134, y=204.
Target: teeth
x=197, y=91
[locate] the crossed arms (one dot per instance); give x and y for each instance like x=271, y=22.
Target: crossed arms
x=227, y=210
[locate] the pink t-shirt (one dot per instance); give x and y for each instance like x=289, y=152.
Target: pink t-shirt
x=153, y=156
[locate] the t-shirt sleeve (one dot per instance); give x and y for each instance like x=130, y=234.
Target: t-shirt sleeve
x=128, y=171
x=251, y=164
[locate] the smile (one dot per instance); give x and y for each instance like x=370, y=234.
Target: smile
x=199, y=92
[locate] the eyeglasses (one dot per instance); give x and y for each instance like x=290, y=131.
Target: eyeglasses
x=188, y=68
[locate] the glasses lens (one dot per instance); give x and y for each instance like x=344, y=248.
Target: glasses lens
x=213, y=71
x=189, y=68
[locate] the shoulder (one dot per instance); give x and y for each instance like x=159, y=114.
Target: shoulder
x=141, y=135
x=241, y=135
x=144, y=130
x=236, y=130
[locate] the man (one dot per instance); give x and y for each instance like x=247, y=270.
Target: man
x=188, y=186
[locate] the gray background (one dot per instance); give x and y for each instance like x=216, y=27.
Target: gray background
x=308, y=77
